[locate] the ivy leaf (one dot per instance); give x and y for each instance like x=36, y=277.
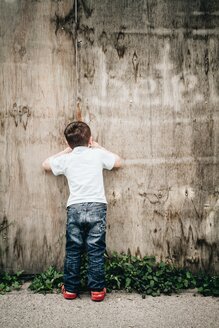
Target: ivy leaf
x=152, y=283
x=127, y=282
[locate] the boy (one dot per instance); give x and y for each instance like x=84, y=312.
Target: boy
x=82, y=163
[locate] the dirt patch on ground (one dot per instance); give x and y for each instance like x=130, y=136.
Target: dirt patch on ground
x=24, y=309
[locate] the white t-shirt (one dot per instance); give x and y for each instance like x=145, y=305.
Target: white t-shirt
x=83, y=168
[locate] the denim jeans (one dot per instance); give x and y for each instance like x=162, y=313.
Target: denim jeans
x=85, y=230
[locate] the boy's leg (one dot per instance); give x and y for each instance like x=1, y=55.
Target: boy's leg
x=95, y=243
x=74, y=248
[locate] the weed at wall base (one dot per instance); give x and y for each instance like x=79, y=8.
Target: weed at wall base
x=10, y=282
x=129, y=273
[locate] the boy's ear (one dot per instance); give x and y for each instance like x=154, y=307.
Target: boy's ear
x=90, y=141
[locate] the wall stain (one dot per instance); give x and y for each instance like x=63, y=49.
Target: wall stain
x=68, y=23
x=87, y=11
x=174, y=235
x=78, y=113
x=135, y=63
x=19, y=49
x=4, y=225
x=199, y=216
x=190, y=235
x=103, y=40
x=206, y=62
x=138, y=252
x=156, y=228
x=212, y=253
x=4, y=243
x=159, y=214
x=2, y=119
x=120, y=44
x=89, y=68
x=46, y=250
x=18, y=247
x=113, y=199
x=88, y=33
x=21, y=31
x=195, y=252
x=210, y=128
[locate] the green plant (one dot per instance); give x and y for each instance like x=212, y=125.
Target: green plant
x=10, y=282
x=47, y=281
x=129, y=273
x=145, y=275
x=207, y=285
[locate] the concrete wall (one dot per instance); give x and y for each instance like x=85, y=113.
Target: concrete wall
x=145, y=76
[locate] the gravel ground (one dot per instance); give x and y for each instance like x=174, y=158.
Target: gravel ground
x=24, y=309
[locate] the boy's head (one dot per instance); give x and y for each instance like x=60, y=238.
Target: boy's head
x=77, y=134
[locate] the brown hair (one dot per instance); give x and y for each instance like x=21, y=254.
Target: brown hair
x=77, y=134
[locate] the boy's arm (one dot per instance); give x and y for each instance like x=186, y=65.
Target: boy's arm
x=118, y=162
x=46, y=164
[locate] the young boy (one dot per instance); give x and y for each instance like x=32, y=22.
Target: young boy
x=82, y=163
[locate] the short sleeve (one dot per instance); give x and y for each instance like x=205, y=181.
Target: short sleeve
x=108, y=159
x=58, y=164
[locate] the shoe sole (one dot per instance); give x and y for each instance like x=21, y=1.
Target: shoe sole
x=101, y=297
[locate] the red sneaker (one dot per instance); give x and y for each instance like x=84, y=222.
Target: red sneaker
x=98, y=296
x=68, y=295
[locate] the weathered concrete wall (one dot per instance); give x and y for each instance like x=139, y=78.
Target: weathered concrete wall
x=146, y=76
x=37, y=90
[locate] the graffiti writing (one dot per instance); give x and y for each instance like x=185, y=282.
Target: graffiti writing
x=162, y=88
x=20, y=115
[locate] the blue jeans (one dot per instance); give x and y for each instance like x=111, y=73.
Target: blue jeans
x=85, y=230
